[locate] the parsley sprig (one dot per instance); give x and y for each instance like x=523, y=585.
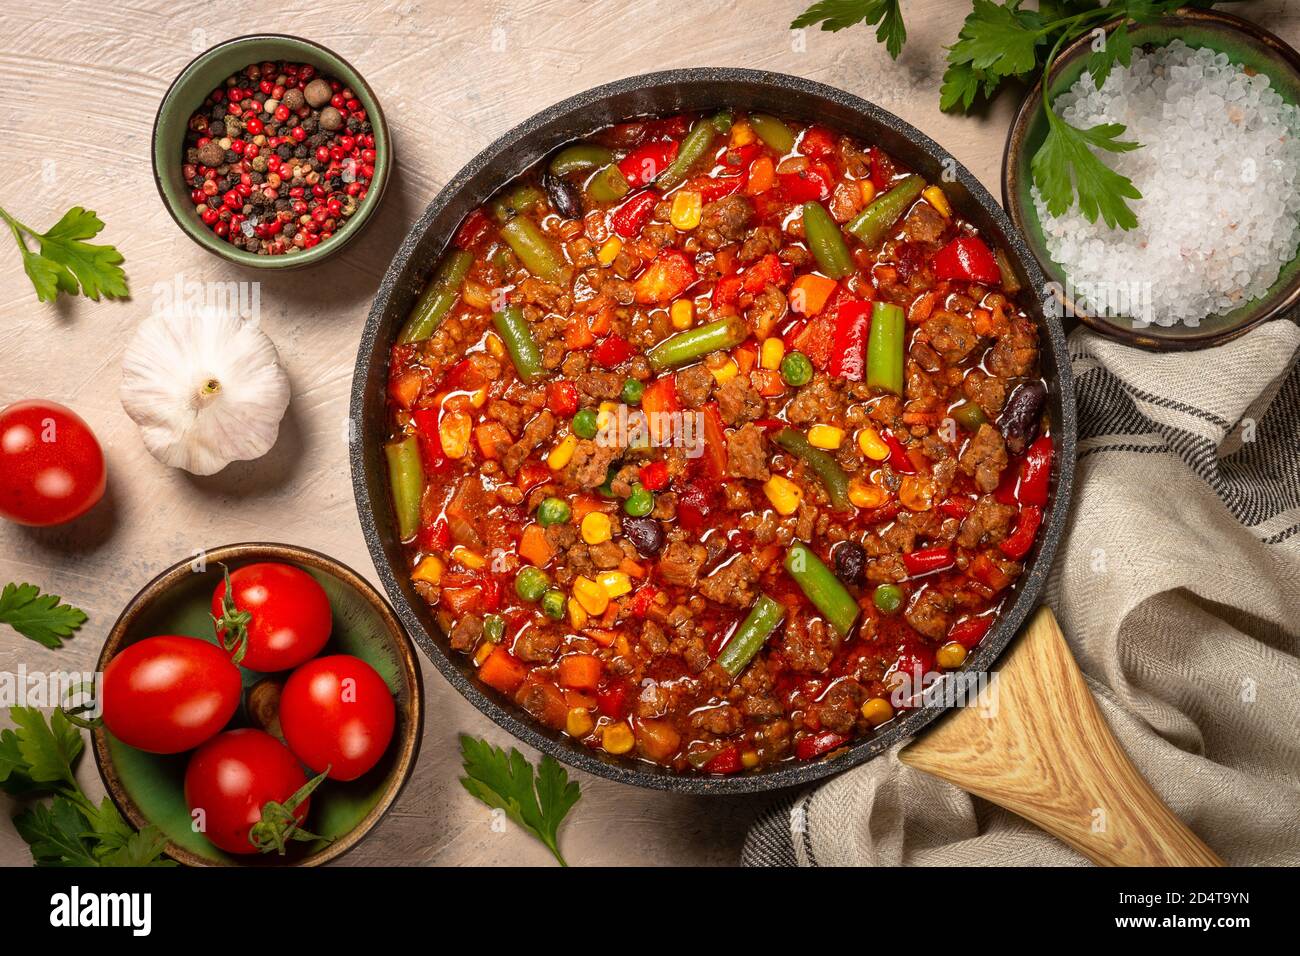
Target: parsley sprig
x=37, y=759
x=65, y=262
x=507, y=782
x=42, y=617
x=1003, y=41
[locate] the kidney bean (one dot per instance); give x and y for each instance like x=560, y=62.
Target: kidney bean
x=1021, y=417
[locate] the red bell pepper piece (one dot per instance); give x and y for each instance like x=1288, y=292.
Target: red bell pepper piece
x=713, y=188
x=849, y=351
x=612, y=700
x=810, y=184
x=770, y=424
x=436, y=536
x=968, y=633
x=643, y=598
x=728, y=761
x=767, y=269
x=643, y=165
x=696, y=502
x=1036, y=472
x=654, y=476
x=967, y=259
x=814, y=745
x=426, y=427
x=957, y=507
x=927, y=559
x=1017, y=544
x=659, y=401
x=987, y=572
x=715, y=443
x=726, y=292
x=475, y=227
x=562, y=398
x=614, y=350
x=667, y=277
x=628, y=218
x=818, y=142
x=882, y=169
x=899, y=459
x=742, y=156
x=1009, y=482
x=532, y=474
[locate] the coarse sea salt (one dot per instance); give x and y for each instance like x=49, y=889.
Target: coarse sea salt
x=1219, y=173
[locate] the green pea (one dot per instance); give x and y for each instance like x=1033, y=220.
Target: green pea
x=888, y=598
x=531, y=583
x=552, y=511
x=494, y=628
x=632, y=392
x=796, y=369
x=639, y=503
x=553, y=604
x=584, y=423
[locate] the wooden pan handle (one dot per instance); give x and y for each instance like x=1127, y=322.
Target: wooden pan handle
x=1043, y=751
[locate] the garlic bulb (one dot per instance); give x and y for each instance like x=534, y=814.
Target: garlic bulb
x=205, y=387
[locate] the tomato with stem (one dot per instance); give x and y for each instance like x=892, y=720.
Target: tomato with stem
x=277, y=616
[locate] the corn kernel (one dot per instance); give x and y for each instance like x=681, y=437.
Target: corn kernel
x=429, y=569
x=742, y=134
x=950, y=656
x=936, y=198
x=877, y=710
x=483, y=653
x=749, y=759
x=617, y=738
x=872, y=445
x=496, y=348
x=784, y=494
x=725, y=372
x=686, y=210
x=478, y=397
x=826, y=436
x=453, y=431
x=476, y=295
x=609, y=251
x=577, y=615
x=596, y=528
x=682, y=314
x=590, y=595
x=561, y=453
x=863, y=495
x=772, y=352
x=470, y=559
x=605, y=413
x=578, y=723
x=615, y=583
x=868, y=190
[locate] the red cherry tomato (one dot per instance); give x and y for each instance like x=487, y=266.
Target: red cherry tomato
x=232, y=777
x=337, y=712
x=51, y=466
x=290, y=616
x=167, y=694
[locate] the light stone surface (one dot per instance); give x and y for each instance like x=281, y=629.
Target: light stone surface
x=79, y=85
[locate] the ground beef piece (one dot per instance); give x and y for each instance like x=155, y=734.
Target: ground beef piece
x=681, y=563
x=774, y=737
x=838, y=710
x=724, y=221
x=600, y=385
x=845, y=201
x=653, y=638
x=761, y=709
x=466, y=632
x=986, y=391
x=761, y=242
x=888, y=569
x=818, y=401
x=534, y=433
x=930, y=614
x=696, y=655
x=924, y=224
x=984, y=458
x=807, y=645
x=589, y=465
x=561, y=537
x=1016, y=352
x=574, y=364
x=544, y=701
x=694, y=385
x=767, y=309
x=723, y=720
x=739, y=402
x=735, y=496
x=732, y=584
x=508, y=414
x=747, y=453
x=951, y=334
x=537, y=645
x=986, y=524
x=606, y=556
x=655, y=700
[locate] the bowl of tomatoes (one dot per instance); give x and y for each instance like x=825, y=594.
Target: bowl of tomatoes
x=260, y=704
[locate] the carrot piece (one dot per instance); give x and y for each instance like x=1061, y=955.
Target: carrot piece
x=405, y=388
x=809, y=293
x=578, y=334
x=584, y=505
x=503, y=671
x=762, y=176
x=533, y=546
x=602, y=636
x=604, y=320
x=580, y=671
x=576, y=698
x=631, y=568
x=492, y=438
x=767, y=382
x=658, y=739
x=459, y=600
x=746, y=357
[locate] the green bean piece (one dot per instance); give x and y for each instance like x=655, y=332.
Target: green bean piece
x=885, y=346
x=822, y=587
x=695, y=144
x=824, y=466
x=796, y=369
x=826, y=241
x=608, y=185
x=436, y=300
x=888, y=598
x=752, y=634
x=406, y=480
x=519, y=200
x=969, y=416
x=514, y=331
x=580, y=157
x=872, y=225
x=772, y=132
x=685, y=347
x=533, y=249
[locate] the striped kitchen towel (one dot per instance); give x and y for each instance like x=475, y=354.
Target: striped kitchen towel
x=1178, y=588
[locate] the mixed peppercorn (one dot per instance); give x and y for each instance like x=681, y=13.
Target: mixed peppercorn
x=279, y=158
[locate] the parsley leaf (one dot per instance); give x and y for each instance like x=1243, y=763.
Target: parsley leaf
x=38, y=753
x=64, y=262
x=57, y=833
x=1065, y=164
x=836, y=15
x=1117, y=47
x=39, y=616
x=506, y=782
x=1000, y=40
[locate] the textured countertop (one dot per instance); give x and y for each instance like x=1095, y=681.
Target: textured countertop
x=79, y=85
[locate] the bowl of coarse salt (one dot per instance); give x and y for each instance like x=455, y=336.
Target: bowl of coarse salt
x=1212, y=99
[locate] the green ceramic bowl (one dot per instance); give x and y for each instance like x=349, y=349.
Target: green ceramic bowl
x=149, y=788
x=187, y=92
x=1246, y=45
